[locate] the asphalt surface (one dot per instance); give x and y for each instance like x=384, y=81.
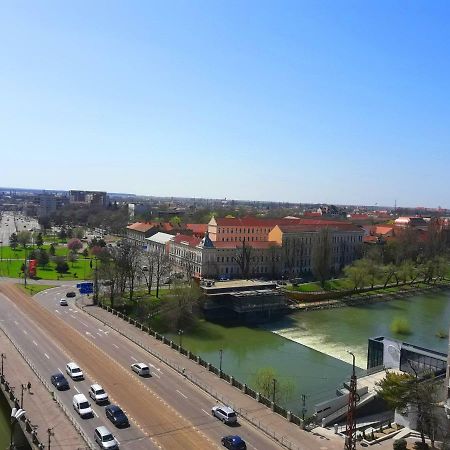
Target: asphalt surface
x=167, y=410
x=13, y=223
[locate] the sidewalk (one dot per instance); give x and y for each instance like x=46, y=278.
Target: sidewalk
x=41, y=410
x=288, y=434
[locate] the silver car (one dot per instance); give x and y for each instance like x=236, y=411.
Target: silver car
x=105, y=439
x=224, y=413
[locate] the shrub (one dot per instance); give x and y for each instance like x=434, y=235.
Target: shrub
x=400, y=444
x=400, y=326
x=62, y=266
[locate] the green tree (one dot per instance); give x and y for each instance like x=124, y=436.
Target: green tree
x=61, y=266
x=267, y=379
x=24, y=238
x=52, y=250
x=13, y=241
x=39, y=240
x=43, y=258
x=321, y=256
x=357, y=275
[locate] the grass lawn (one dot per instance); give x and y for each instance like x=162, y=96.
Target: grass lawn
x=34, y=288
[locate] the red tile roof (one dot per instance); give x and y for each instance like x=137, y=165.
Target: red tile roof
x=192, y=241
x=263, y=222
x=141, y=226
x=198, y=228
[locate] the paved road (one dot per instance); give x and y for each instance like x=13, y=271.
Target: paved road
x=13, y=223
x=168, y=411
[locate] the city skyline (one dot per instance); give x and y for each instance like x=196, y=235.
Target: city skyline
x=298, y=102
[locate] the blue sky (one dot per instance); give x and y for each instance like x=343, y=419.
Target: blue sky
x=308, y=101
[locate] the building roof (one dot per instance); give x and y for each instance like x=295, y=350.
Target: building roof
x=160, y=238
x=314, y=227
x=198, y=228
x=252, y=221
x=192, y=241
x=141, y=226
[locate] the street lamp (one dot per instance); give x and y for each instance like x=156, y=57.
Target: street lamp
x=180, y=333
x=3, y=356
x=16, y=414
x=220, y=360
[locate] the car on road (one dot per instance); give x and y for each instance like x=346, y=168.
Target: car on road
x=63, y=302
x=71, y=294
x=234, y=443
x=105, y=439
x=82, y=406
x=74, y=371
x=141, y=369
x=98, y=394
x=224, y=413
x=116, y=416
x=59, y=381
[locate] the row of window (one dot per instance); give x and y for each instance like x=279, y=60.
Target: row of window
x=228, y=230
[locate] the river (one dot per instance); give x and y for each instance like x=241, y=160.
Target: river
x=310, y=348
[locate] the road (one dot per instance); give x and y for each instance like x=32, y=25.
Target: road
x=167, y=410
x=13, y=223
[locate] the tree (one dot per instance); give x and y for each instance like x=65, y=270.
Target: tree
x=266, y=379
x=356, y=273
x=13, y=241
x=161, y=269
x=24, y=238
x=72, y=257
x=52, y=250
x=78, y=233
x=43, y=258
x=321, y=256
x=181, y=307
x=149, y=262
x=39, y=240
x=45, y=223
x=74, y=245
x=61, y=266
x=62, y=234
x=243, y=259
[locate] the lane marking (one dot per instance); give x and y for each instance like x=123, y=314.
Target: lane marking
x=17, y=323
x=181, y=394
x=77, y=389
x=60, y=370
x=133, y=358
x=206, y=412
x=48, y=357
x=155, y=375
x=116, y=346
x=25, y=331
x=57, y=312
x=35, y=343
x=96, y=415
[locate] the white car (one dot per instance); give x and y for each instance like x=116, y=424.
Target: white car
x=98, y=394
x=224, y=413
x=141, y=369
x=63, y=302
x=81, y=405
x=74, y=371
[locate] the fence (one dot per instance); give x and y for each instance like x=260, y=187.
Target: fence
x=55, y=398
x=205, y=387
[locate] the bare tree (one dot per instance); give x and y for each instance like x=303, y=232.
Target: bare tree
x=148, y=269
x=161, y=269
x=243, y=259
x=321, y=258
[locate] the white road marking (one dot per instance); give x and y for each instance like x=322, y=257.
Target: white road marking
x=154, y=367
x=73, y=317
x=155, y=375
x=99, y=334
x=206, y=412
x=60, y=370
x=90, y=334
x=133, y=358
x=48, y=357
x=77, y=389
x=181, y=394
x=116, y=346
x=85, y=324
x=96, y=415
x=25, y=331
x=35, y=343
x=17, y=323
x=57, y=311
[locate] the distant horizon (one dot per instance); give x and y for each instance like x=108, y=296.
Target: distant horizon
x=39, y=190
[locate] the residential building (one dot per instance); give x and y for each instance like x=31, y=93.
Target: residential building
x=137, y=232
x=92, y=198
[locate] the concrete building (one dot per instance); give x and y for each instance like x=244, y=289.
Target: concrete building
x=92, y=198
x=159, y=243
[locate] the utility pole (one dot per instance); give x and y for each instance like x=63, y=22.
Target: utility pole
x=96, y=284
x=23, y=387
x=220, y=359
x=274, y=389
x=353, y=398
x=50, y=434
x=303, y=406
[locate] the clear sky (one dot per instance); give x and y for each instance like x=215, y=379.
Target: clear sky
x=334, y=101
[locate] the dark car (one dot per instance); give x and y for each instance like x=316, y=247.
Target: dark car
x=234, y=443
x=116, y=416
x=71, y=294
x=59, y=381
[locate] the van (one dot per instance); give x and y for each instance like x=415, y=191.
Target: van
x=81, y=405
x=74, y=371
x=105, y=439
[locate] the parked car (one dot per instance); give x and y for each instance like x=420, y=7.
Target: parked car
x=82, y=406
x=116, y=416
x=141, y=369
x=98, y=394
x=74, y=371
x=59, y=381
x=224, y=413
x=234, y=443
x=71, y=294
x=63, y=302
x=105, y=439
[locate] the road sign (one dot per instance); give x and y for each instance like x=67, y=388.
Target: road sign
x=86, y=288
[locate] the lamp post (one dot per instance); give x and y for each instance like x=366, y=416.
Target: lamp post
x=180, y=333
x=220, y=359
x=23, y=387
x=3, y=356
x=1, y=257
x=16, y=414
x=50, y=434
x=274, y=389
